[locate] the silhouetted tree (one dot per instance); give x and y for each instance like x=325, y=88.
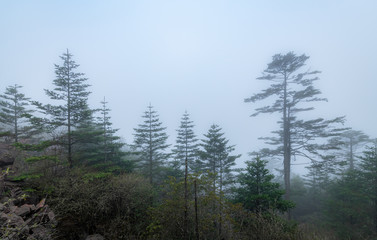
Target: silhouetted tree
x=350, y=143
x=293, y=89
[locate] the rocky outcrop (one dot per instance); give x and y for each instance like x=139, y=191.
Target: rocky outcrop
x=20, y=219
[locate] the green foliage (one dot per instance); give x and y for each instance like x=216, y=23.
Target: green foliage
x=34, y=147
x=236, y=222
x=168, y=217
x=41, y=158
x=114, y=206
x=96, y=175
x=13, y=111
x=73, y=113
x=26, y=176
x=257, y=192
x=347, y=207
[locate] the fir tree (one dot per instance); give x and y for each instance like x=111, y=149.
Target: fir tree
x=216, y=158
x=257, y=192
x=110, y=146
x=150, y=140
x=14, y=111
x=73, y=113
x=185, y=152
x=186, y=149
x=369, y=172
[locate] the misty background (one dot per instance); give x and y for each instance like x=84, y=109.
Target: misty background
x=199, y=56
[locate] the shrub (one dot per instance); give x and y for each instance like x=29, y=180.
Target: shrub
x=114, y=206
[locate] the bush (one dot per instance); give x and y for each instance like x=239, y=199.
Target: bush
x=114, y=206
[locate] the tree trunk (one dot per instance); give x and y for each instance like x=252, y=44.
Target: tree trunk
x=196, y=213
x=69, y=115
x=286, y=145
x=186, y=201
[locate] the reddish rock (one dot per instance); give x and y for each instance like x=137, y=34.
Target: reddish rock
x=41, y=204
x=23, y=210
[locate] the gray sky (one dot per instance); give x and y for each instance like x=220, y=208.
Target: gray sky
x=199, y=56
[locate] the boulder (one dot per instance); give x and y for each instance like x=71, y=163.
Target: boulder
x=11, y=219
x=23, y=210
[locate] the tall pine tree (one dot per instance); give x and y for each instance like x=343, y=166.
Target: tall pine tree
x=292, y=88
x=216, y=158
x=186, y=151
x=150, y=141
x=71, y=92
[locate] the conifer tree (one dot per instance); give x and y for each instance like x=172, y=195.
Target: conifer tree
x=369, y=173
x=150, y=140
x=293, y=90
x=256, y=190
x=110, y=146
x=350, y=143
x=216, y=158
x=185, y=152
x=186, y=149
x=72, y=94
x=14, y=111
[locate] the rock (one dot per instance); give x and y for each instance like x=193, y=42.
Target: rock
x=41, y=204
x=23, y=210
x=6, y=160
x=11, y=219
x=51, y=216
x=4, y=200
x=11, y=209
x=95, y=237
x=3, y=218
x=32, y=207
x=40, y=232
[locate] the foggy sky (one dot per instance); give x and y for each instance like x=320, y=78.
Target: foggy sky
x=199, y=56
